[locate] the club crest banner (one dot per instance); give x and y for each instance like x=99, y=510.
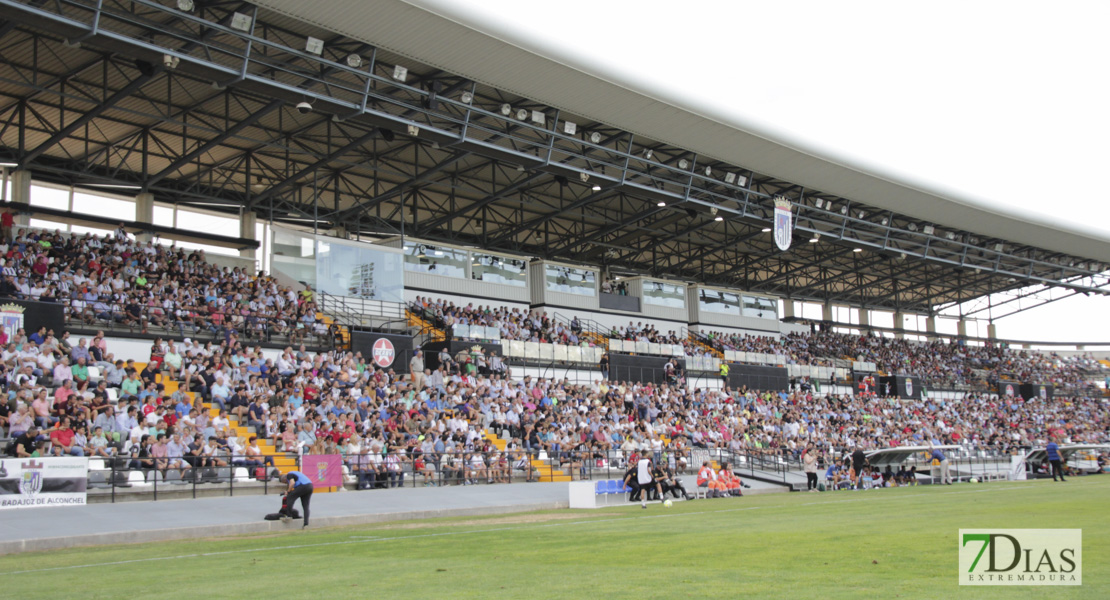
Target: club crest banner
x=784, y=230
x=325, y=470
x=31, y=482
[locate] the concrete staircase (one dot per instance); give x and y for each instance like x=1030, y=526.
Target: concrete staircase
x=344, y=340
x=284, y=462
x=425, y=327
x=704, y=347
x=545, y=471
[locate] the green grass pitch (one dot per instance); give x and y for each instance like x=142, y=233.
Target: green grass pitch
x=890, y=543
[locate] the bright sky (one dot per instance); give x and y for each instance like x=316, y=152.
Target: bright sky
x=998, y=102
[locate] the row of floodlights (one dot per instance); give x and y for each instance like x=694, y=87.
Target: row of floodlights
x=244, y=22
x=926, y=229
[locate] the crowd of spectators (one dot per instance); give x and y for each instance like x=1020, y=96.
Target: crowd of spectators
x=940, y=363
x=116, y=280
x=67, y=397
x=337, y=402
x=513, y=323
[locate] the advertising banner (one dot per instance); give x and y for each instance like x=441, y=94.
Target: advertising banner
x=30, y=482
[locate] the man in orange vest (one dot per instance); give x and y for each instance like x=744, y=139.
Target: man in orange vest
x=708, y=479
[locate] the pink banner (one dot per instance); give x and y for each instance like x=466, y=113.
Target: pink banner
x=325, y=470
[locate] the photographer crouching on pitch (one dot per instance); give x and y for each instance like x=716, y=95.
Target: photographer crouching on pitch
x=300, y=486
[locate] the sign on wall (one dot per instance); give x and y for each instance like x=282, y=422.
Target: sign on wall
x=31, y=482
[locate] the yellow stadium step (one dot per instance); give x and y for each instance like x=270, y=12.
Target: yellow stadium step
x=1105, y=362
x=344, y=333
x=497, y=442
x=414, y=320
x=705, y=347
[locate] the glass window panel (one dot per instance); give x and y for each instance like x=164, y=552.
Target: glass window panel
x=660, y=293
x=163, y=215
x=719, y=302
x=498, y=269
x=92, y=204
x=570, y=280
x=435, y=260
x=760, y=307
x=49, y=197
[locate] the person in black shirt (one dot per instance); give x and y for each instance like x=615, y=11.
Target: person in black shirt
x=24, y=445
x=630, y=478
x=603, y=364
x=671, y=483
x=859, y=460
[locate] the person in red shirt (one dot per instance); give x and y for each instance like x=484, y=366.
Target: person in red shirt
x=7, y=221
x=62, y=439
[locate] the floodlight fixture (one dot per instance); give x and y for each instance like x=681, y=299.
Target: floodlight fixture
x=730, y=178
x=595, y=138
x=570, y=127
x=241, y=22
x=354, y=61
x=506, y=109
x=314, y=46
x=466, y=98
x=522, y=114
x=660, y=204
x=928, y=230
x=683, y=164
x=400, y=73
x=185, y=5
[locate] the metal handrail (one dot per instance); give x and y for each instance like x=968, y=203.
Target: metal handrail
x=112, y=316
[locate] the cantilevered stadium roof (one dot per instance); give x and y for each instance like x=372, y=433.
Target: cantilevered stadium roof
x=499, y=57
x=468, y=143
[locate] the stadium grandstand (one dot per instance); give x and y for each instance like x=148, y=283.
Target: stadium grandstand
x=238, y=236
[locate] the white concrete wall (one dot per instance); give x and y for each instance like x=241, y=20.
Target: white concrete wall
x=737, y=330
x=139, y=350
x=461, y=285
x=231, y=262
x=461, y=300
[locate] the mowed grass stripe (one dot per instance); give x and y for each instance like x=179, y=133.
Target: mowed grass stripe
x=801, y=545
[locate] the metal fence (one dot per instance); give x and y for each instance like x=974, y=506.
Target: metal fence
x=123, y=477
